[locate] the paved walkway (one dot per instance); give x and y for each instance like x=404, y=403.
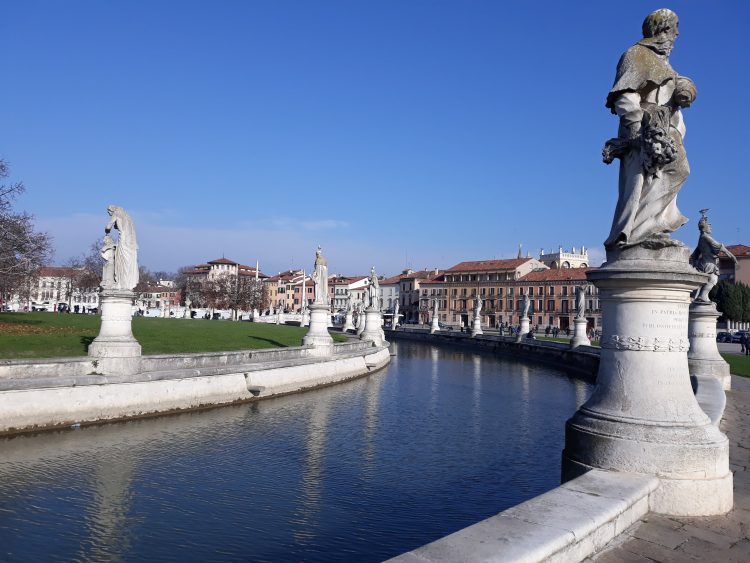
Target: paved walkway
x=721, y=538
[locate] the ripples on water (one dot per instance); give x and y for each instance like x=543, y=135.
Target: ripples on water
x=356, y=472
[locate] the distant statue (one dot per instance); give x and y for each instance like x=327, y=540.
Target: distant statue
x=580, y=302
x=349, y=303
x=705, y=257
x=126, y=250
x=525, y=306
x=648, y=96
x=477, y=306
x=435, y=307
x=394, y=322
x=373, y=290
x=108, y=270
x=320, y=278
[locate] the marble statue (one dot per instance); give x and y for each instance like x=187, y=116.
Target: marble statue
x=525, y=306
x=373, y=289
x=349, y=304
x=108, y=270
x=435, y=307
x=394, y=322
x=648, y=96
x=705, y=257
x=320, y=278
x=477, y=306
x=580, y=301
x=126, y=250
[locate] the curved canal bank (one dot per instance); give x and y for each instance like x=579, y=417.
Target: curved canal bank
x=359, y=471
x=51, y=393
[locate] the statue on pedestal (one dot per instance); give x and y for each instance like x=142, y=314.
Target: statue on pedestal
x=373, y=290
x=435, y=307
x=580, y=301
x=525, y=306
x=320, y=278
x=477, y=306
x=705, y=257
x=648, y=96
x=126, y=251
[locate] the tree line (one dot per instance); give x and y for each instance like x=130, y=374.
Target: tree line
x=732, y=300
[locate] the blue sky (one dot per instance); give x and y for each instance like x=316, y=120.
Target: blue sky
x=393, y=133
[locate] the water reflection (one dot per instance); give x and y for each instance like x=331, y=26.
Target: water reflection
x=355, y=472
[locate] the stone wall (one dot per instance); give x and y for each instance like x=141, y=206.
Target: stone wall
x=57, y=393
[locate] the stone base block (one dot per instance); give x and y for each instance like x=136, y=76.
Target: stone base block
x=318, y=336
x=476, y=327
x=373, y=329
x=579, y=334
x=716, y=368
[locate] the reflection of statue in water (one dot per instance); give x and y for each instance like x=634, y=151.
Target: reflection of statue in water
x=320, y=278
x=647, y=96
x=126, y=251
x=108, y=270
x=477, y=306
x=705, y=257
x=580, y=301
x=525, y=305
x=373, y=290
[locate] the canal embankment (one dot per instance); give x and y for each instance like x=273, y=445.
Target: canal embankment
x=53, y=393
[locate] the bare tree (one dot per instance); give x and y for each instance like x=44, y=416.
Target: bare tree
x=22, y=249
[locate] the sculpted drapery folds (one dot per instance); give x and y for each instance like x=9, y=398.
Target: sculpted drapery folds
x=648, y=96
x=126, y=250
x=320, y=278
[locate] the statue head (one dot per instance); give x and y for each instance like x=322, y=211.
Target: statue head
x=111, y=209
x=660, y=30
x=704, y=226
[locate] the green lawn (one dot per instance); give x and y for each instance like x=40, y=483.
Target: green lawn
x=738, y=365
x=49, y=335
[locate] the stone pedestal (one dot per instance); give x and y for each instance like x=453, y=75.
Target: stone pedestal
x=704, y=357
x=373, y=329
x=360, y=323
x=643, y=416
x=116, y=349
x=317, y=336
x=524, y=330
x=476, y=327
x=579, y=333
x=306, y=318
x=434, y=325
x=349, y=322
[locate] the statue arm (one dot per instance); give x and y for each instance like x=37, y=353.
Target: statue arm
x=628, y=108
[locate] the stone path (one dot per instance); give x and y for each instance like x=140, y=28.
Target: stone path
x=720, y=538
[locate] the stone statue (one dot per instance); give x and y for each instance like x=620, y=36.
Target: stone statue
x=126, y=250
x=477, y=306
x=580, y=301
x=435, y=307
x=320, y=278
x=705, y=257
x=108, y=270
x=394, y=322
x=349, y=303
x=373, y=290
x=648, y=96
x=525, y=305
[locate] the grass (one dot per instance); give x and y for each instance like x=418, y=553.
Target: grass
x=50, y=335
x=738, y=365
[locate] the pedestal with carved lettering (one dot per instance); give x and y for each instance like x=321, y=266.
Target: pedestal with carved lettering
x=524, y=328
x=704, y=357
x=116, y=350
x=579, y=333
x=643, y=416
x=373, y=326
x=317, y=336
x=476, y=327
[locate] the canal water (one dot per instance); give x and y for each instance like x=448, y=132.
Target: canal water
x=360, y=471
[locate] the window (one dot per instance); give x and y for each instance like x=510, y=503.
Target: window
x=551, y=305
x=565, y=291
x=531, y=292
x=552, y=290
x=492, y=291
